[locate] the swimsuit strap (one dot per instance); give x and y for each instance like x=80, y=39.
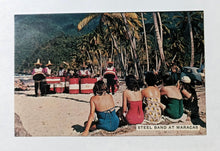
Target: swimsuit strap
x=151, y=100
x=175, y=99
x=108, y=111
x=134, y=101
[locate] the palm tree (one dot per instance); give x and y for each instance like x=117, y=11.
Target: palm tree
x=191, y=40
x=158, y=37
x=112, y=21
x=191, y=28
x=132, y=39
x=145, y=41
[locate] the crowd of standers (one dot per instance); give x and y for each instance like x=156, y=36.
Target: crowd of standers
x=39, y=75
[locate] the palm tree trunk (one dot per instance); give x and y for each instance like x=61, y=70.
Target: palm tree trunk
x=90, y=60
x=191, y=40
x=119, y=55
x=133, y=47
x=135, y=59
x=135, y=64
x=112, y=48
x=156, y=59
x=145, y=41
x=159, y=42
x=122, y=55
x=140, y=72
x=100, y=58
x=201, y=58
x=125, y=62
x=161, y=27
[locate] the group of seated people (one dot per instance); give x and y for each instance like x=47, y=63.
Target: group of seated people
x=137, y=105
x=19, y=85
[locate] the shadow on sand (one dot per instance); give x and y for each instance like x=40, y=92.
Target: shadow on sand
x=83, y=101
x=20, y=92
x=198, y=121
x=78, y=128
x=33, y=95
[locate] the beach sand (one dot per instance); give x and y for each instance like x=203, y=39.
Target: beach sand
x=64, y=115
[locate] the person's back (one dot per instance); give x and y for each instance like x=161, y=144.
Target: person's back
x=132, y=102
x=101, y=105
x=133, y=95
x=174, y=106
x=105, y=110
x=171, y=92
x=151, y=92
x=151, y=97
x=110, y=75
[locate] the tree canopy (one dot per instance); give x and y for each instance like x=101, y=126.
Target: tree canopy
x=75, y=38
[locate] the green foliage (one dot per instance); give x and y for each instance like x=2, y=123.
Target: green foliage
x=62, y=48
x=33, y=31
x=56, y=38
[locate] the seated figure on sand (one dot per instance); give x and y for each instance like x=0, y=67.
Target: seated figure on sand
x=174, y=100
x=190, y=99
x=20, y=86
x=132, y=102
x=151, y=98
x=103, y=105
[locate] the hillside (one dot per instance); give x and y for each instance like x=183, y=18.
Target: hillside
x=32, y=31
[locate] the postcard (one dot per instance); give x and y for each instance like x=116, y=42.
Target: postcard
x=110, y=74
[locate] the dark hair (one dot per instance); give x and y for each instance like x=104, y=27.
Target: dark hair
x=167, y=79
x=99, y=88
x=110, y=64
x=132, y=83
x=151, y=79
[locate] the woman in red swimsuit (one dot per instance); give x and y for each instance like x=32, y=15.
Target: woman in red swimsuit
x=132, y=102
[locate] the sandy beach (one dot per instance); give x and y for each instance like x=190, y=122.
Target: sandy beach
x=64, y=114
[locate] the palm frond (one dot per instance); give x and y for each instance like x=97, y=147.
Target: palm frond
x=113, y=15
x=136, y=35
x=138, y=22
x=85, y=21
x=166, y=29
x=118, y=15
x=179, y=17
x=98, y=39
x=130, y=23
x=131, y=15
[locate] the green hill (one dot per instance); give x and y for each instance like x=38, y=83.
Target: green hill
x=32, y=31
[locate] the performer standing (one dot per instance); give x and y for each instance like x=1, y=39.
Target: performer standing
x=110, y=75
x=84, y=72
x=61, y=71
x=48, y=70
x=175, y=73
x=48, y=73
x=38, y=77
